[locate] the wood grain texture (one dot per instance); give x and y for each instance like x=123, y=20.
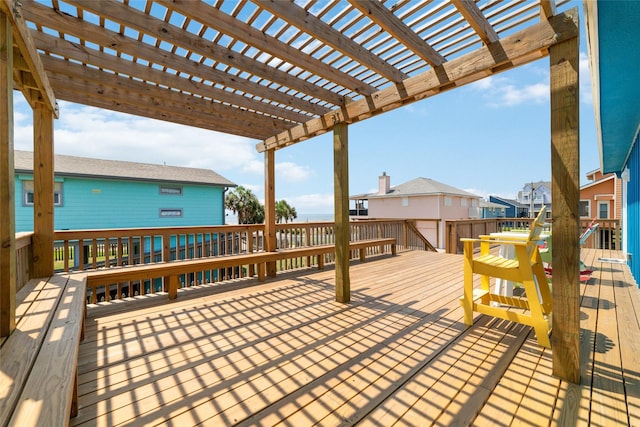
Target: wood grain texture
x=284, y=353
x=7, y=177
x=565, y=190
x=43, y=185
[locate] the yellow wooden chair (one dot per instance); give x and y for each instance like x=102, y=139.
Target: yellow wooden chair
x=526, y=268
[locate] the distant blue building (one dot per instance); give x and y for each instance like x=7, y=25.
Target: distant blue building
x=514, y=209
x=492, y=210
x=99, y=194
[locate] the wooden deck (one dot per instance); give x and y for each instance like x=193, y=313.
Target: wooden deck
x=284, y=353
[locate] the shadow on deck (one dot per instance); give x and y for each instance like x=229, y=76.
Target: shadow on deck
x=284, y=352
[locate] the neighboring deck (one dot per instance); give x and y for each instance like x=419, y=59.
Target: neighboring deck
x=285, y=352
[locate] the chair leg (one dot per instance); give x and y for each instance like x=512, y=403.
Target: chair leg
x=539, y=322
x=543, y=286
x=467, y=300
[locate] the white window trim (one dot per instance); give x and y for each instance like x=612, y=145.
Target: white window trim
x=588, y=208
x=26, y=192
x=166, y=213
x=608, y=210
x=171, y=190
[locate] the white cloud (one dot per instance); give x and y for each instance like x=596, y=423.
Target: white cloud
x=418, y=109
x=292, y=172
x=585, y=79
x=510, y=95
x=500, y=91
x=484, y=84
x=90, y=132
x=312, y=203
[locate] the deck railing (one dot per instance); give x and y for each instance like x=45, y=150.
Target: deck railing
x=85, y=250
x=79, y=250
x=24, y=258
x=607, y=236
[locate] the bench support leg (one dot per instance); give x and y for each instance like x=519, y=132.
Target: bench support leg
x=74, y=398
x=173, y=287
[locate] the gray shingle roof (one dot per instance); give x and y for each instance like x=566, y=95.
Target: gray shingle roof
x=422, y=187
x=117, y=169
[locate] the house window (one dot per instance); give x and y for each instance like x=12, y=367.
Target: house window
x=463, y=202
x=603, y=210
x=28, y=193
x=405, y=201
x=170, y=213
x=474, y=203
x=584, y=208
x=171, y=190
x=447, y=201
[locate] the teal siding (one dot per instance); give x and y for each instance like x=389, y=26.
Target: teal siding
x=632, y=234
x=96, y=203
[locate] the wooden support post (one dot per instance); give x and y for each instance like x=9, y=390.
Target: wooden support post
x=270, y=208
x=565, y=189
x=341, y=197
x=43, y=186
x=7, y=199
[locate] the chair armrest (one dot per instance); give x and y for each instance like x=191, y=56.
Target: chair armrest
x=499, y=240
x=518, y=242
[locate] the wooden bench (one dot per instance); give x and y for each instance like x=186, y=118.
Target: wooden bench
x=173, y=269
x=39, y=360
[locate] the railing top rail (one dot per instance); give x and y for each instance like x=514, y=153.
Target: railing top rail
x=115, y=232
x=365, y=220
x=23, y=239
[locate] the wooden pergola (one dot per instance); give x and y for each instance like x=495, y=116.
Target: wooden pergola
x=282, y=72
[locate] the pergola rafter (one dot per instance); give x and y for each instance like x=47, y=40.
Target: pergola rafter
x=395, y=27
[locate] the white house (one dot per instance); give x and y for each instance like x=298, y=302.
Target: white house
x=535, y=195
x=424, y=199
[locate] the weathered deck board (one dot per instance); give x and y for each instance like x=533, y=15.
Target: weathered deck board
x=284, y=352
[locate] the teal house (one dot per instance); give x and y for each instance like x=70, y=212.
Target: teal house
x=99, y=194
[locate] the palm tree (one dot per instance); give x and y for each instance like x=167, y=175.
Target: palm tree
x=243, y=202
x=285, y=212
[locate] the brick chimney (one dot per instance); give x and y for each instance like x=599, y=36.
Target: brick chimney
x=384, y=183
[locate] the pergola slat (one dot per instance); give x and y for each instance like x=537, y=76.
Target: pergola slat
x=394, y=26
x=119, y=89
x=295, y=15
x=476, y=19
x=132, y=18
x=523, y=46
x=128, y=68
x=106, y=38
x=246, y=33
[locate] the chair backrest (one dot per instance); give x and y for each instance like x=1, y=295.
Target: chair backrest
x=536, y=229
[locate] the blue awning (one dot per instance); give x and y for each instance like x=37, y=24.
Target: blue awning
x=613, y=31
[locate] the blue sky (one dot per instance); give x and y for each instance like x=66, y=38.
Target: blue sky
x=490, y=137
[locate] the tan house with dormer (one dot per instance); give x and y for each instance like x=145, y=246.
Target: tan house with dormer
x=601, y=199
